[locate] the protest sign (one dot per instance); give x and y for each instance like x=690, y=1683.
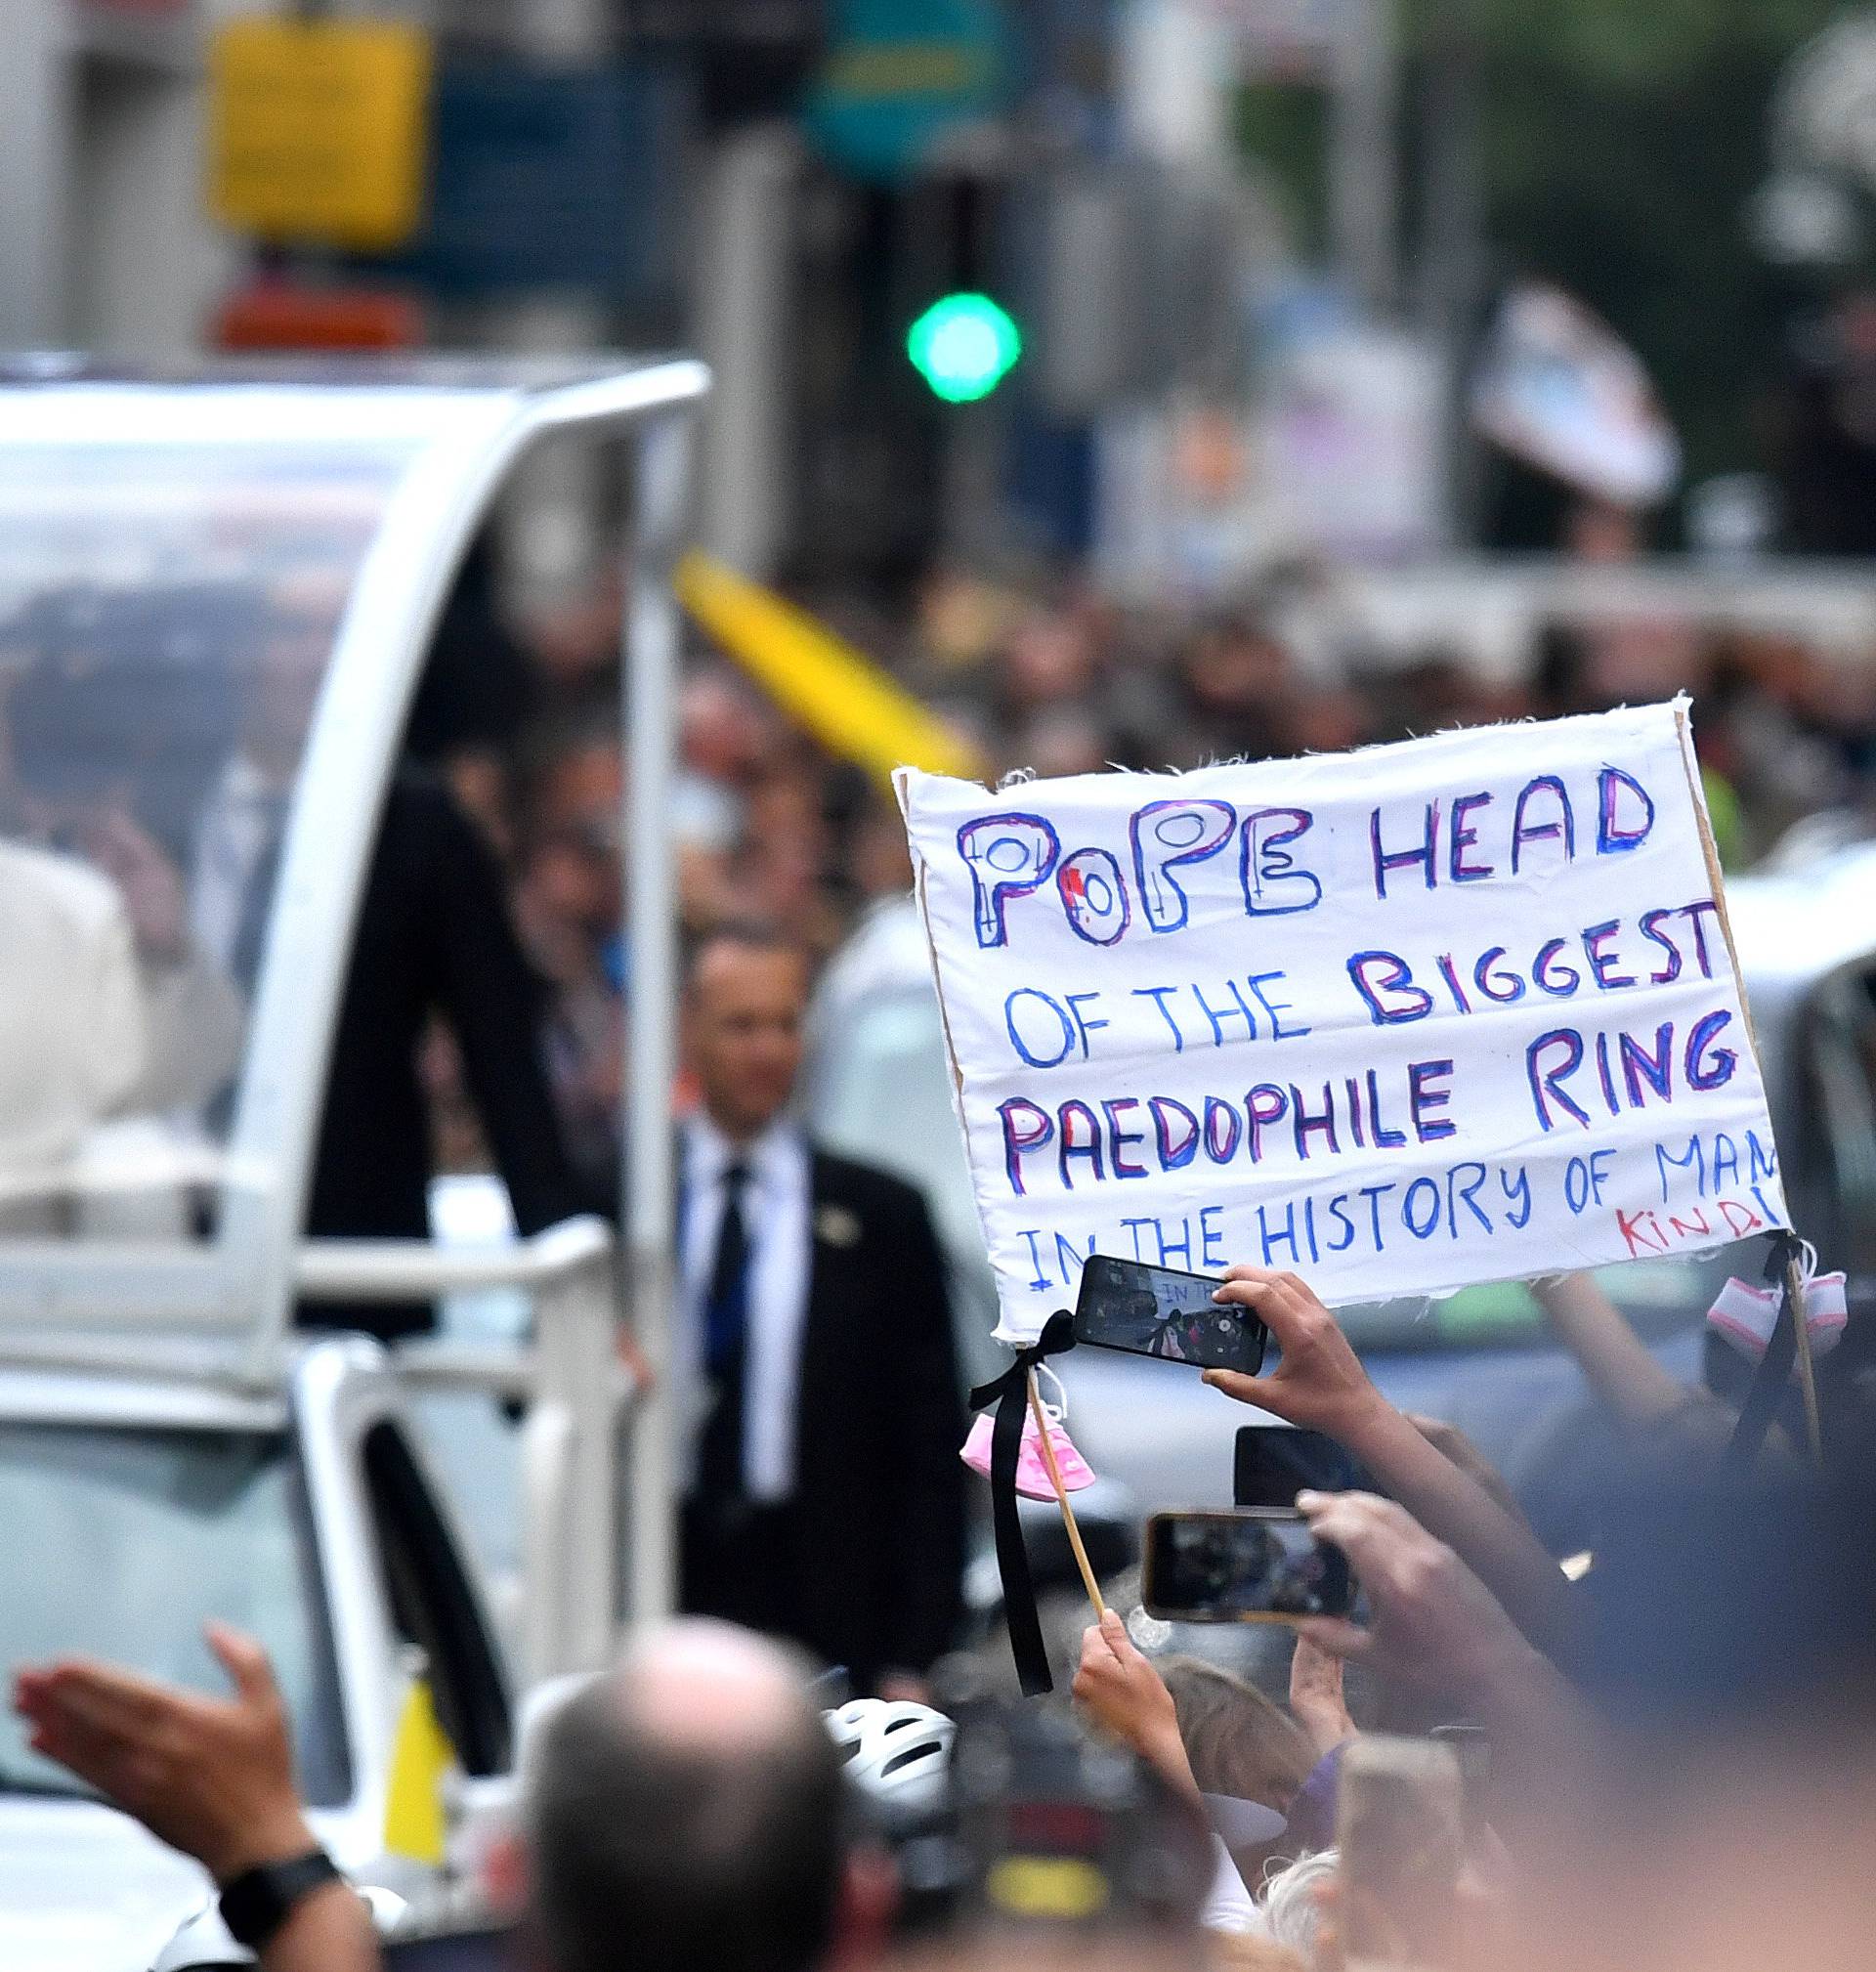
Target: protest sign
x=1462, y=1009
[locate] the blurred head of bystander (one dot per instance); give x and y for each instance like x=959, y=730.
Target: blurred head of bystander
x=687, y=1813
x=745, y=1004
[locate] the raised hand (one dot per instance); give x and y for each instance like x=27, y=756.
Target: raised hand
x=1122, y=1691
x=1319, y=1382
x=1436, y=1625
x=210, y=1777
x=1316, y=1700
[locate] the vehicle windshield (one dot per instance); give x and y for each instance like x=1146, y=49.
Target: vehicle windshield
x=121, y=1543
x=893, y=1040
x=167, y=611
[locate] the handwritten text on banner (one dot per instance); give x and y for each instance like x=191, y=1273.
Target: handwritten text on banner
x=1458, y=1009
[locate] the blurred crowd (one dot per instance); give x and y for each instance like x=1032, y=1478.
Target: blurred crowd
x=1048, y=676
x=155, y=736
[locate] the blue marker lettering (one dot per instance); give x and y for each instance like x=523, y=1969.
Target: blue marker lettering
x=1424, y=855
x=1603, y=963
x=1170, y=836
x=1119, y=1140
x=1656, y=1069
x=1068, y=1145
x=1544, y=1080
x=1462, y=838
x=1707, y=1066
x=1158, y=994
x=1094, y=897
x=1416, y=1002
x=1611, y=839
x=1274, y=885
x=1025, y=1048
x=1425, y=1094
x=1175, y=1153
x=1276, y=1008
x=1414, y=1191
x=1007, y=856
x=1563, y=826
x=1308, y=1126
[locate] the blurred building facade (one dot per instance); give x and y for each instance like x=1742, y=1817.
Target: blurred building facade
x=785, y=185
x=104, y=237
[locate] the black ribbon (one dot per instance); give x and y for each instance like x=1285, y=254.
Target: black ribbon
x=1009, y=1392
x=1774, y=1373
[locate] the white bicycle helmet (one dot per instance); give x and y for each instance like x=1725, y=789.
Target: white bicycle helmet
x=896, y=1752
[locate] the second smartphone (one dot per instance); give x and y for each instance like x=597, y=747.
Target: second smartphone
x=1251, y=1566
x=1157, y=1311
x=1275, y=1462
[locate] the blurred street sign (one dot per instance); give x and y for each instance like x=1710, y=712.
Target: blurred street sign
x=275, y=313
x=317, y=130
x=902, y=74
x=552, y=179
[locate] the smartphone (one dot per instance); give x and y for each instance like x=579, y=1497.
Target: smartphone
x=1400, y=1829
x=1275, y=1462
x=1258, y=1565
x=1473, y=1748
x=1155, y=1311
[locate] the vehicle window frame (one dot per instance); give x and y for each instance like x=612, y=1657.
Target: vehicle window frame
x=433, y=1603
x=329, y=1785
x=331, y=1689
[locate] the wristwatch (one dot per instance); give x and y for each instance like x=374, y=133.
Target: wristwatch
x=257, y=1903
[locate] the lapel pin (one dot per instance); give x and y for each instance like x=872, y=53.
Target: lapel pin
x=836, y=1225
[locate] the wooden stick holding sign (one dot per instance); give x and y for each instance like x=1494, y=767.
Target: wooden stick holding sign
x=1041, y=1416
x=1801, y=1344
x=1794, y=1279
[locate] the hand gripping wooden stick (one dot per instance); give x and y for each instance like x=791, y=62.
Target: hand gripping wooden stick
x=1041, y=1416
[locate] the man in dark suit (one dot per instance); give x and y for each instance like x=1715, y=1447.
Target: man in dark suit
x=825, y=1499
x=434, y=938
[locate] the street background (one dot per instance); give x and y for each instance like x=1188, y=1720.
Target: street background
x=1144, y=382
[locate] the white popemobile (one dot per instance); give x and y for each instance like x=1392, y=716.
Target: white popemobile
x=169, y=1449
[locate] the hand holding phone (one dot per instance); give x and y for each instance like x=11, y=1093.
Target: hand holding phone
x=1159, y=1312
x=1319, y=1380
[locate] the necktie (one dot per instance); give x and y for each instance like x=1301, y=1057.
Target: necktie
x=726, y=1311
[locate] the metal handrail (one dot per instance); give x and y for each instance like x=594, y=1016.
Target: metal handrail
x=574, y=1386
x=414, y=1270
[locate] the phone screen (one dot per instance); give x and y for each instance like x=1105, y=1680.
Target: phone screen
x=1275, y=1462
x=1241, y=1567
x=1153, y=1310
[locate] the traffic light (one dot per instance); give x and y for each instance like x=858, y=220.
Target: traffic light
x=963, y=346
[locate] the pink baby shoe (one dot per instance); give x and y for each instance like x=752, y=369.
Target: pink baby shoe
x=1031, y=1474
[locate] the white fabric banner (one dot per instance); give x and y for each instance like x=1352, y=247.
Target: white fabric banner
x=1458, y=1009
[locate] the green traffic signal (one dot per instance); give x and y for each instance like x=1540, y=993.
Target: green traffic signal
x=963, y=346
